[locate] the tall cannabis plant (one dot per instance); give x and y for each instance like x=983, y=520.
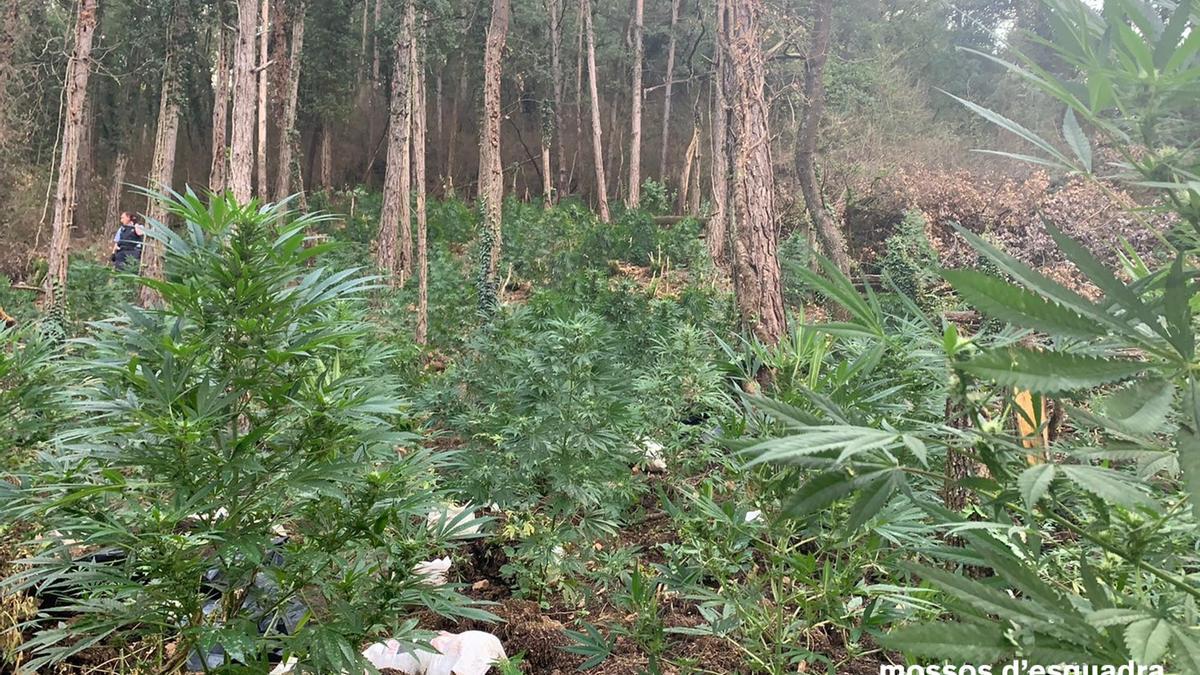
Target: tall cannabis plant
x=1085, y=551
x=234, y=486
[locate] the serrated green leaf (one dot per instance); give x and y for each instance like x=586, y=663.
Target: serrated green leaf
x=1046, y=372
x=1141, y=408
x=1111, y=486
x=1073, y=133
x=1147, y=639
x=875, y=495
x=1034, y=481
x=1042, y=285
x=960, y=642
x=1097, y=272
x=782, y=412
x=1013, y=304
x=819, y=492
x=986, y=599
x=1105, y=618
x=1187, y=649
x=1189, y=466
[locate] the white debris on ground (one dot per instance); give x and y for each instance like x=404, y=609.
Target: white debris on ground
x=652, y=451
x=471, y=653
x=433, y=572
x=448, y=517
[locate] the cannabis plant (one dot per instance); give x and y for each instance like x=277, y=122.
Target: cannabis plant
x=1081, y=542
x=233, y=487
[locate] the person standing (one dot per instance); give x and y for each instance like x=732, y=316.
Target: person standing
x=127, y=243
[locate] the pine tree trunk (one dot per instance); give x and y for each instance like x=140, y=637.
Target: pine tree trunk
x=555, y=10
x=289, y=138
x=87, y=159
x=669, y=84
x=593, y=91
x=718, y=222
x=218, y=174
x=264, y=73
x=579, y=56
x=375, y=62
x=759, y=287
x=455, y=126
x=491, y=175
x=10, y=19
x=806, y=148
x=162, y=169
x=326, y=157
x=241, y=150
x=635, y=108
x=79, y=70
x=420, y=124
x=116, y=188
x=395, y=214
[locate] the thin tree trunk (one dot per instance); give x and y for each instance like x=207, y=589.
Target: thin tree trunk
x=289, y=137
x=439, y=137
x=718, y=221
x=79, y=69
x=10, y=19
x=116, y=188
x=491, y=174
x=420, y=123
x=593, y=91
x=759, y=287
x=635, y=125
x=162, y=170
x=579, y=56
x=218, y=174
x=666, y=121
x=806, y=148
x=455, y=108
x=241, y=150
x=689, y=162
x=375, y=62
x=326, y=157
x=547, y=179
x=396, y=211
x=555, y=10
x=264, y=41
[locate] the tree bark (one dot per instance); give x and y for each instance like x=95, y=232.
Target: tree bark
x=635, y=108
x=420, y=124
x=326, y=157
x=806, y=147
x=218, y=173
x=289, y=139
x=718, y=222
x=666, y=126
x=264, y=73
x=759, y=287
x=555, y=10
x=162, y=169
x=241, y=149
x=116, y=188
x=491, y=174
x=452, y=137
x=593, y=91
x=375, y=65
x=396, y=212
x=10, y=18
x=79, y=70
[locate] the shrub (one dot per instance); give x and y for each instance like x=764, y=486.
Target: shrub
x=235, y=463
x=910, y=260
